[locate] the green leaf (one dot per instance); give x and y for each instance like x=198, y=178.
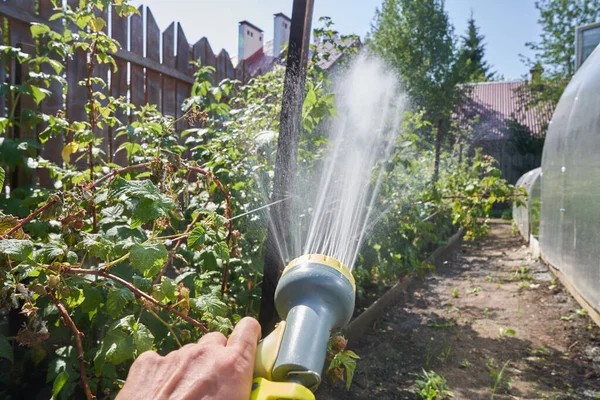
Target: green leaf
x=49, y=252
x=143, y=338
x=6, y=349
x=95, y=244
x=96, y=24
x=59, y=382
x=117, y=301
x=39, y=29
x=510, y=332
x=209, y=303
x=167, y=291
x=17, y=250
x=93, y=299
x=2, y=175
x=152, y=204
x=148, y=258
x=197, y=236
x=222, y=251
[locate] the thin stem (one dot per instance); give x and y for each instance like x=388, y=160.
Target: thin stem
x=137, y=293
x=116, y=172
x=31, y=216
x=117, y=261
x=227, y=216
x=165, y=323
x=66, y=318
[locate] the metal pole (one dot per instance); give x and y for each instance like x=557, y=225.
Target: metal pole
x=290, y=123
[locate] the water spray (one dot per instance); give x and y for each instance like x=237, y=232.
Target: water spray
x=314, y=297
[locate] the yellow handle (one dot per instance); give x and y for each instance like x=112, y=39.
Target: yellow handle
x=263, y=389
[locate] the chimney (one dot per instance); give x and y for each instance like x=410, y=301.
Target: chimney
x=536, y=73
x=281, y=32
x=250, y=40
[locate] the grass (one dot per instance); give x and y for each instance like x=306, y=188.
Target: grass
x=432, y=386
x=498, y=377
x=473, y=290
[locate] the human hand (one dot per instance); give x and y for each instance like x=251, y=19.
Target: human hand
x=214, y=368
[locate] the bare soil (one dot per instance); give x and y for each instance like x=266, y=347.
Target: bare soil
x=506, y=310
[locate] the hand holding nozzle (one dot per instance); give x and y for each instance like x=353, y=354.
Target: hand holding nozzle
x=215, y=368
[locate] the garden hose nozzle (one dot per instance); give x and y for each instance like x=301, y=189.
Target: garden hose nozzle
x=315, y=296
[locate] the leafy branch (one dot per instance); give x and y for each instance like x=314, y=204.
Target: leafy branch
x=77, y=334
x=136, y=292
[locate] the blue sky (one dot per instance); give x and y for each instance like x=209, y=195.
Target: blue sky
x=507, y=24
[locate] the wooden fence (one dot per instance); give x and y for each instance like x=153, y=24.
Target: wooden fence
x=144, y=75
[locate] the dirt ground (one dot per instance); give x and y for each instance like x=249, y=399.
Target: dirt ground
x=490, y=305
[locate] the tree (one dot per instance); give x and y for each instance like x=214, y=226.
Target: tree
x=472, y=52
x=556, y=47
x=417, y=39
x=554, y=61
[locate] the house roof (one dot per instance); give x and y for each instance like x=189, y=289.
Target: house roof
x=497, y=102
x=263, y=60
x=250, y=24
x=280, y=14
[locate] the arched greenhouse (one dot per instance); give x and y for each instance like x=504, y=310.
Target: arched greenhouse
x=569, y=228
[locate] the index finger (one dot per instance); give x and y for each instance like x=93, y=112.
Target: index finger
x=245, y=337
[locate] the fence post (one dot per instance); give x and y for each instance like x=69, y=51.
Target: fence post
x=290, y=123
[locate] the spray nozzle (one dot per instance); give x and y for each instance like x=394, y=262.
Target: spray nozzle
x=314, y=297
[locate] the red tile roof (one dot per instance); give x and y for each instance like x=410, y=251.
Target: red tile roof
x=497, y=102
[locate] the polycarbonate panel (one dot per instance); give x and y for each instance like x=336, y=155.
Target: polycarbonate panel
x=570, y=183
x=521, y=214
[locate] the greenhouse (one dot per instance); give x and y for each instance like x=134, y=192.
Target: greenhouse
x=570, y=223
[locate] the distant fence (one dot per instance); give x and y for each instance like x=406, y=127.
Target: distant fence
x=143, y=76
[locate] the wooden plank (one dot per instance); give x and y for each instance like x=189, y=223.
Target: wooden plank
x=182, y=64
x=20, y=36
x=589, y=309
x=222, y=65
x=101, y=71
x=229, y=69
x=153, y=81
x=17, y=14
x=76, y=94
x=118, y=88
x=15, y=11
x=204, y=53
x=136, y=46
x=2, y=78
x=51, y=105
x=241, y=72
x=168, y=60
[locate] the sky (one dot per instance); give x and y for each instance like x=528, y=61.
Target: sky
x=506, y=24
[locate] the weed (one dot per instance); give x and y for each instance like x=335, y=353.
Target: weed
x=490, y=278
x=429, y=354
x=447, y=350
x=523, y=285
x=443, y=324
x=523, y=274
x=540, y=351
x=473, y=290
x=498, y=377
x=506, y=332
x=431, y=386
x=455, y=293
x=580, y=312
x=465, y=363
